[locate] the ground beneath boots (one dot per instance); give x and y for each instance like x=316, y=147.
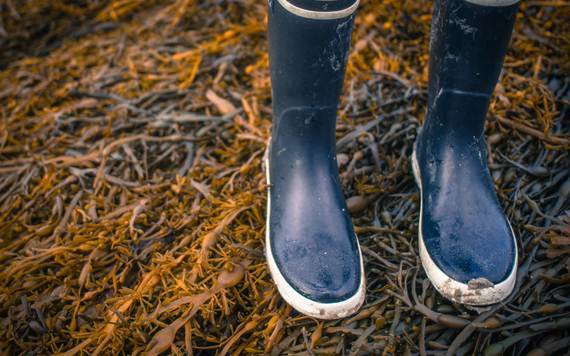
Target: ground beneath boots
x=132, y=193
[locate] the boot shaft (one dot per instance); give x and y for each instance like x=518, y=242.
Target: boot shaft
x=468, y=46
x=469, y=40
x=308, y=50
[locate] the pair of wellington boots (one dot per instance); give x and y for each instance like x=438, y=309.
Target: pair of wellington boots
x=467, y=246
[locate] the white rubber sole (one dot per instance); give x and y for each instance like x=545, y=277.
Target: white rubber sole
x=477, y=292
x=302, y=304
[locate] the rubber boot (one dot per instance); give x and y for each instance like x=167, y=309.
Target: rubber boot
x=467, y=246
x=312, y=251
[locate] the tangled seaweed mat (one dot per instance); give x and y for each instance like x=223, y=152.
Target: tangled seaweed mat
x=132, y=194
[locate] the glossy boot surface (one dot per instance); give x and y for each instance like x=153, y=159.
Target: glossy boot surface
x=312, y=251
x=467, y=245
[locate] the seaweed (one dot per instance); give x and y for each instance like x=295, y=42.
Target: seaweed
x=132, y=192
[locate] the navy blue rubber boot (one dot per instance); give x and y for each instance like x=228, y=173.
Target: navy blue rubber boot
x=312, y=250
x=467, y=246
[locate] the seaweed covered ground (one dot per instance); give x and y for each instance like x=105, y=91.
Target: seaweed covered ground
x=132, y=196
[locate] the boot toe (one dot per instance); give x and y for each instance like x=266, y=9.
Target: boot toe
x=473, y=264
x=320, y=268
x=471, y=252
x=322, y=281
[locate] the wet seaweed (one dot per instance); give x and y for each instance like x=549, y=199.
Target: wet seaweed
x=132, y=193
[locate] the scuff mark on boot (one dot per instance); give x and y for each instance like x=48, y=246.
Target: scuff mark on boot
x=479, y=283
